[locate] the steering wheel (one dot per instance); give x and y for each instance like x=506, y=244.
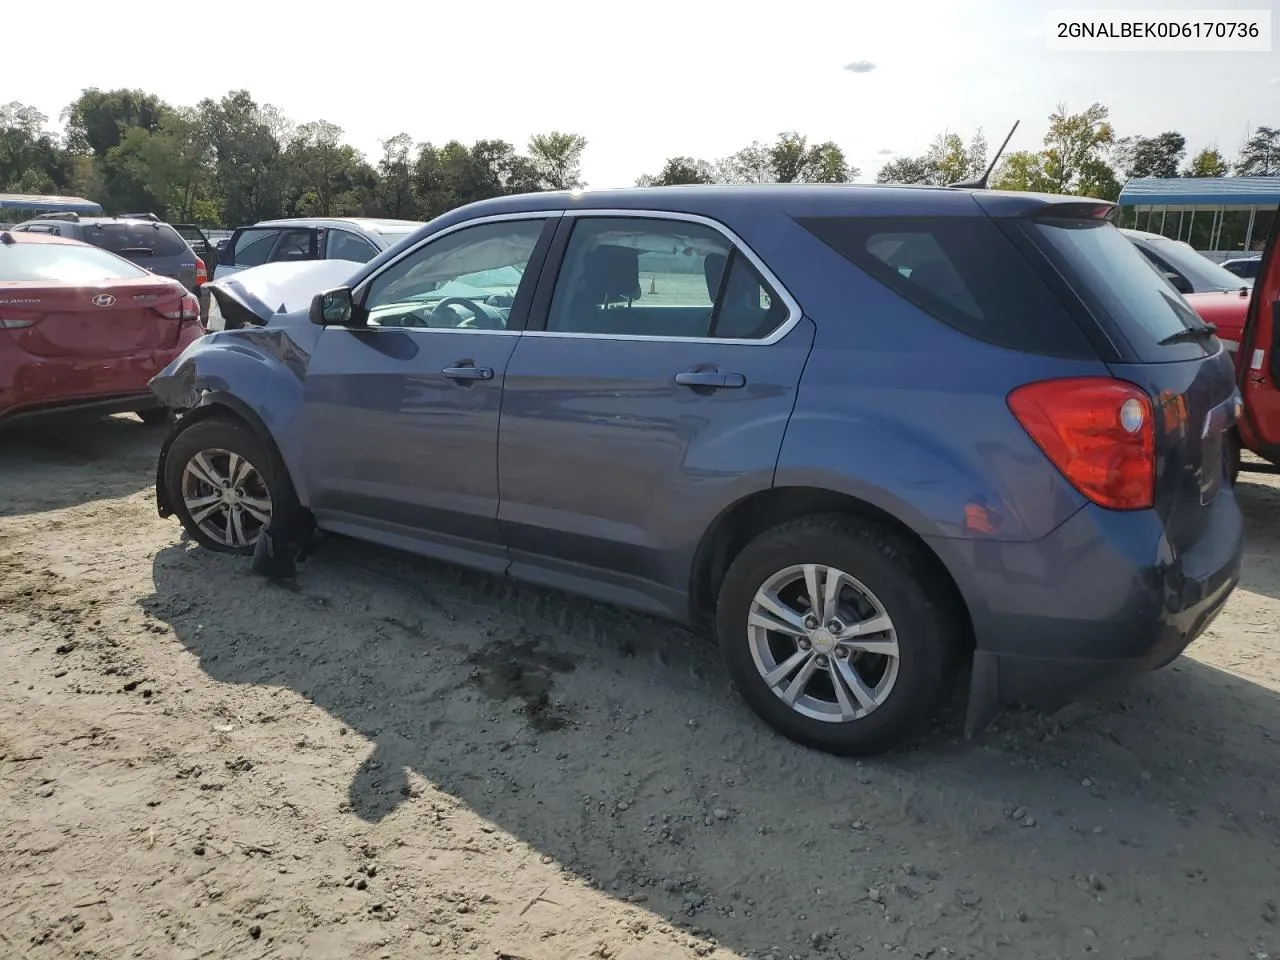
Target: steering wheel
x=482, y=319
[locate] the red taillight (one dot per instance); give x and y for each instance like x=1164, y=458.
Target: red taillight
x=188, y=310
x=1099, y=432
x=202, y=274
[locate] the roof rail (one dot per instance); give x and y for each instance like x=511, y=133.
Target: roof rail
x=140, y=216
x=58, y=215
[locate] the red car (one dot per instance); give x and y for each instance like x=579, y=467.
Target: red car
x=1248, y=324
x=1258, y=360
x=82, y=329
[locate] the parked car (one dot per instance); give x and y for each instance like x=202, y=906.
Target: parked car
x=1246, y=268
x=142, y=239
x=815, y=417
x=1185, y=268
x=83, y=330
x=357, y=239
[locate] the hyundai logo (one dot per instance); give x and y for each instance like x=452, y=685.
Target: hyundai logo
x=103, y=300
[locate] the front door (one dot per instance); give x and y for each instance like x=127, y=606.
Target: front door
x=655, y=393
x=400, y=415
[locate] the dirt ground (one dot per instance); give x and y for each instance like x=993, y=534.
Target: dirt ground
x=396, y=759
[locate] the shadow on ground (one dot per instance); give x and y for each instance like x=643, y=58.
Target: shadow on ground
x=96, y=459
x=1260, y=503
x=613, y=744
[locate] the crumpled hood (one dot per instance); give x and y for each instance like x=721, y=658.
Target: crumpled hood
x=279, y=288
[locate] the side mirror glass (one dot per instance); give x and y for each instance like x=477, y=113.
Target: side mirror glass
x=333, y=308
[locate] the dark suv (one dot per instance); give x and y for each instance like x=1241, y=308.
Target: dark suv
x=867, y=432
x=141, y=239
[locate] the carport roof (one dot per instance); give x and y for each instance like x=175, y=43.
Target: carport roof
x=1202, y=192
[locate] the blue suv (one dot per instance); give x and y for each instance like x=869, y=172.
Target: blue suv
x=869, y=435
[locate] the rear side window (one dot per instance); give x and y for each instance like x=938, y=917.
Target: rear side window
x=1122, y=287
x=253, y=247
x=136, y=240
x=965, y=272
x=62, y=262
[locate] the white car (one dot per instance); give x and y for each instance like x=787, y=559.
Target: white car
x=358, y=239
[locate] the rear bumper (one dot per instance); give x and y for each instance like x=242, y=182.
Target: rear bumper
x=1101, y=599
x=33, y=386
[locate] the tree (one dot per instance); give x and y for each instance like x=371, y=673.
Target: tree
x=454, y=174
x=1156, y=156
x=394, y=191
x=166, y=171
x=946, y=161
x=678, y=170
x=1207, y=163
x=326, y=172
x=1260, y=155
x=30, y=159
x=247, y=156
x=557, y=159
x=789, y=159
x=1073, y=159
x=99, y=119
x=1075, y=148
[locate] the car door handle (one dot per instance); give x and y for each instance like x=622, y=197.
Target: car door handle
x=711, y=378
x=468, y=372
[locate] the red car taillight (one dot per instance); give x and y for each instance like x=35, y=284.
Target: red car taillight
x=1099, y=432
x=188, y=310
x=202, y=274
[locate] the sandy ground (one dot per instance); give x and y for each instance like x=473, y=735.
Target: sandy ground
x=396, y=759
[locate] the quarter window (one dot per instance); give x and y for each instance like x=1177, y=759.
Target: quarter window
x=466, y=280
x=649, y=277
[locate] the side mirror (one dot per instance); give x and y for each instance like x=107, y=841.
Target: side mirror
x=333, y=308
x=1180, y=283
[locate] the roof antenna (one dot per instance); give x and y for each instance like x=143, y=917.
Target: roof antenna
x=981, y=182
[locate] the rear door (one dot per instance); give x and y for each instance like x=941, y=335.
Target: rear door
x=248, y=247
x=651, y=390
x=1259, y=366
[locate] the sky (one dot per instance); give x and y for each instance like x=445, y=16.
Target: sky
x=643, y=82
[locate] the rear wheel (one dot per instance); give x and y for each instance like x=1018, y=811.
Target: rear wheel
x=227, y=486
x=837, y=634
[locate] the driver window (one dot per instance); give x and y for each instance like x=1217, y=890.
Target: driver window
x=466, y=280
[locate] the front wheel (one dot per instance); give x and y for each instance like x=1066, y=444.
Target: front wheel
x=837, y=634
x=227, y=486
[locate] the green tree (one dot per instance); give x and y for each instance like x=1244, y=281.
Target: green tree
x=557, y=159
x=948, y=160
x=1207, y=163
x=167, y=171
x=1156, y=156
x=247, y=152
x=30, y=159
x=99, y=119
x=394, y=191
x=327, y=174
x=789, y=159
x=1260, y=155
x=678, y=170
x=1074, y=159
x=454, y=174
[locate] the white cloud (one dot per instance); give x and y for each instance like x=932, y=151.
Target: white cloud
x=860, y=66
x=885, y=152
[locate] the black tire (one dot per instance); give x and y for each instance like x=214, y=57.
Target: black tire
x=891, y=568
x=155, y=416
x=219, y=433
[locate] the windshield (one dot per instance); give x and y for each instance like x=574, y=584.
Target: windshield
x=1115, y=279
x=1204, y=274
x=62, y=262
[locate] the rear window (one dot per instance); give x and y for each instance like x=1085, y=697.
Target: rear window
x=136, y=240
x=68, y=263
x=965, y=272
x=1122, y=287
